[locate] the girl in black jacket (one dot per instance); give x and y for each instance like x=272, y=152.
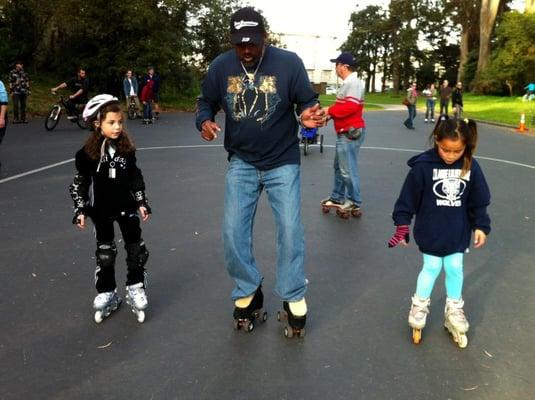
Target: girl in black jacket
x=108, y=188
x=447, y=192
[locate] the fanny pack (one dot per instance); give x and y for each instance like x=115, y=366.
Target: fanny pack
x=353, y=133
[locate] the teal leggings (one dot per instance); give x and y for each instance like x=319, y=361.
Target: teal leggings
x=453, y=267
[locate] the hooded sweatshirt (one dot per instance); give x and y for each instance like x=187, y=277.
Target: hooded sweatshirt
x=260, y=109
x=448, y=207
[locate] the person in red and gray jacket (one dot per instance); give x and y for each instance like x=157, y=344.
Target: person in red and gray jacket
x=350, y=128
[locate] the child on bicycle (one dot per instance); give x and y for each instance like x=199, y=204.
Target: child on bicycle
x=447, y=192
x=107, y=162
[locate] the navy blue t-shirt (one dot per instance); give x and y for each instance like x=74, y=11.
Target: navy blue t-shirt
x=260, y=123
x=447, y=206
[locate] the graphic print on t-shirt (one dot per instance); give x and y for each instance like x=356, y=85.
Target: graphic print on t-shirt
x=252, y=99
x=449, y=186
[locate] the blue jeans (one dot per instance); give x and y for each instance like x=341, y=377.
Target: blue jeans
x=244, y=184
x=453, y=268
x=430, y=109
x=346, y=172
x=412, y=114
x=147, y=110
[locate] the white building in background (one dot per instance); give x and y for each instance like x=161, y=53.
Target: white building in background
x=316, y=51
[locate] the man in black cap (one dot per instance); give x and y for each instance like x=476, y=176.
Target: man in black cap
x=350, y=129
x=260, y=88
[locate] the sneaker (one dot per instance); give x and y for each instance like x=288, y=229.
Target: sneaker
x=331, y=202
x=136, y=294
x=425, y=120
x=432, y=120
x=72, y=117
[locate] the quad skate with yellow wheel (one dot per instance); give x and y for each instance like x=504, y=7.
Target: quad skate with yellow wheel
x=248, y=310
x=294, y=314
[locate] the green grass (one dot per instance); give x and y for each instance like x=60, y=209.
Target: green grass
x=328, y=99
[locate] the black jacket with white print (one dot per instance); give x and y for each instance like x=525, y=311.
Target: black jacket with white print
x=107, y=188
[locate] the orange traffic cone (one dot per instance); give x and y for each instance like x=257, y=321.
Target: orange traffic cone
x=522, y=127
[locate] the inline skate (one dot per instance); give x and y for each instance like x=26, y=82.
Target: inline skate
x=418, y=316
x=104, y=304
x=136, y=298
x=248, y=310
x=294, y=313
x=455, y=321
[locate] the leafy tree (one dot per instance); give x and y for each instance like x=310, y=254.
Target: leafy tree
x=513, y=61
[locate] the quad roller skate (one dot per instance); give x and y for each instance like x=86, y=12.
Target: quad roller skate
x=295, y=315
x=137, y=300
x=455, y=321
x=418, y=316
x=248, y=309
x=105, y=303
x=343, y=209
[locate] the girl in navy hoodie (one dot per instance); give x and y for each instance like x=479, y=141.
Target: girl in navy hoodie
x=447, y=192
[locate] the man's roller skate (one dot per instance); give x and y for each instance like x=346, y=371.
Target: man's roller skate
x=295, y=315
x=104, y=304
x=455, y=321
x=137, y=300
x=418, y=316
x=248, y=309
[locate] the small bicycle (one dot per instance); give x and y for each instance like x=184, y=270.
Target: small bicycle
x=54, y=115
x=310, y=136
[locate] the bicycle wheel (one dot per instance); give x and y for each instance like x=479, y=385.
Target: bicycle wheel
x=52, y=119
x=305, y=147
x=132, y=112
x=81, y=123
x=321, y=143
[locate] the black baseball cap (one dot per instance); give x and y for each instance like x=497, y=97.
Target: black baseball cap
x=247, y=26
x=345, y=58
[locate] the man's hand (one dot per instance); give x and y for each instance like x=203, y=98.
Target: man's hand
x=313, y=117
x=479, y=238
x=209, y=130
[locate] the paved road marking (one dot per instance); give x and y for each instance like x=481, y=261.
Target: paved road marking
x=34, y=171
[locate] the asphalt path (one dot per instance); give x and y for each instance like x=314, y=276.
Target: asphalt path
x=358, y=343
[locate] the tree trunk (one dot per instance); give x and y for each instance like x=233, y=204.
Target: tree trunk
x=530, y=7
x=489, y=11
x=464, y=50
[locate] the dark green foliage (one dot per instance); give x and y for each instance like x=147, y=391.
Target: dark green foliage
x=107, y=37
x=513, y=60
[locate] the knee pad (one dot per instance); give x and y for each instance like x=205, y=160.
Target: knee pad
x=137, y=254
x=105, y=254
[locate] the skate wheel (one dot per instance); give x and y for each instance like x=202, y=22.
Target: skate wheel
x=250, y=326
x=356, y=213
x=463, y=341
x=98, y=317
x=325, y=210
x=302, y=333
x=288, y=332
x=416, y=336
x=236, y=324
x=279, y=316
x=264, y=317
x=141, y=316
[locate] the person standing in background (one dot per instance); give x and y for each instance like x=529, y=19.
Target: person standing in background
x=445, y=94
x=19, y=87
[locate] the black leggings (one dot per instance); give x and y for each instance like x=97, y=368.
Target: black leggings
x=106, y=251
